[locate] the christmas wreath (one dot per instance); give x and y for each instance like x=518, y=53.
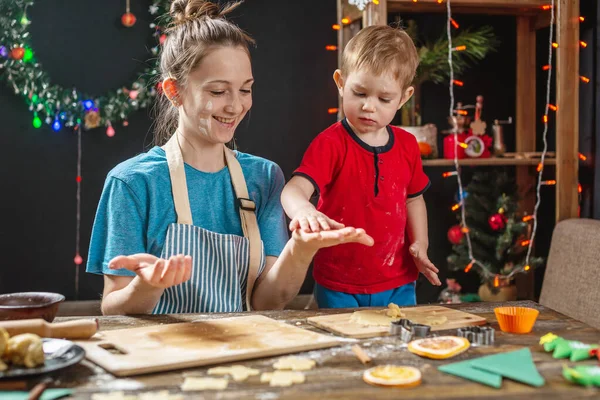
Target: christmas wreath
x=61, y=107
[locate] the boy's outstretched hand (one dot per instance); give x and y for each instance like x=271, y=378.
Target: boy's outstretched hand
x=425, y=266
x=310, y=220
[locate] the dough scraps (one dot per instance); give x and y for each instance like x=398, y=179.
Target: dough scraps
x=282, y=378
x=295, y=363
x=239, y=373
x=193, y=383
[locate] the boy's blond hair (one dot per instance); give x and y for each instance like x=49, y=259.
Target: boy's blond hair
x=382, y=49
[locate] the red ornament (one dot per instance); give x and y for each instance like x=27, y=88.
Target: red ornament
x=497, y=222
x=78, y=260
x=162, y=38
x=455, y=234
x=17, y=53
x=128, y=19
x=110, y=131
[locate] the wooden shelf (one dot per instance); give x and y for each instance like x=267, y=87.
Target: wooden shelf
x=498, y=7
x=515, y=159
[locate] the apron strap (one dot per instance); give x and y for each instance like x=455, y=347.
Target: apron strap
x=178, y=182
x=247, y=209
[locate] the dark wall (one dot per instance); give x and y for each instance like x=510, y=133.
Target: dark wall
x=82, y=44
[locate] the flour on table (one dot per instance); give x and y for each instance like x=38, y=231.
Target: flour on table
x=114, y=396
x=282, y=378
x=294, y=363
x=239, y=373
x=192, y=383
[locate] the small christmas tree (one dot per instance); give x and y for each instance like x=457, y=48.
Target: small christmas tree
x=499, y=236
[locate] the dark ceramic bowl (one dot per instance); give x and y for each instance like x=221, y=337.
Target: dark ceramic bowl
x=28, y=305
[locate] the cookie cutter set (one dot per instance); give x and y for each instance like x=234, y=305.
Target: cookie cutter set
x=407, y=330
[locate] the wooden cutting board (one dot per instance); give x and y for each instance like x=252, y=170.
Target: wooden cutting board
x=126, y=352
x=341, y=324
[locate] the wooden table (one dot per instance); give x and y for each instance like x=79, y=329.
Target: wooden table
x=338, y=372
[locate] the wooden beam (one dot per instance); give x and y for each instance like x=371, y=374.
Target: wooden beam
x=510, y=7
x=375, y=14
x=525, y=129
x=567, y=117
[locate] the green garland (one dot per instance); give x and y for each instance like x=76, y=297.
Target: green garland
x=58, y=106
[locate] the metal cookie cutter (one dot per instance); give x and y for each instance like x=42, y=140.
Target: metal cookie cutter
x=408, y=330
x=477, y=335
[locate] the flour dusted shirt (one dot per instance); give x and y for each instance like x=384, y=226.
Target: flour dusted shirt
x=136, y=207
x=365, y=187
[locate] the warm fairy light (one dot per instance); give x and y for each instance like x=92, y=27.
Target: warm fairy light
x=579, y=188
x=496, y=281
x=545, y=119
x=458, y=83
x=546, y=67
x=539, y=167
x=336, y=27
x=376, y=2
x=584, y=79
x=581, y=19
x=440, y=1
x=550, y=182
x=414, y=1
x=555, y=45
x=464, y=229
x=468, y=268
x=345, y=21
x=462, y=112
x=525, y=243
x=583, y=44
x=582, y=157
x=454, y=23
x=526, y=268
x=456, y=207
x=332, y=110
x=331, y=47
x=546, y=7
x=460, y=48
x=527, y=218
x=449, y=173
x=552, y=107
x=463, y=145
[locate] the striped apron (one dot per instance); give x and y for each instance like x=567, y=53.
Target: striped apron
x=224, y=267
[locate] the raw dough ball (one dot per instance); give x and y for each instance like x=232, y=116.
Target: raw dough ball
x=25, y=349
x=238, y=372
x=394, y=311
x=295, y=363
x=192, y=383
x=282, y=378
x=435, y=320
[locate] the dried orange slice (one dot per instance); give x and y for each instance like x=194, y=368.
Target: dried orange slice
x=393, y=375
x=439, y=347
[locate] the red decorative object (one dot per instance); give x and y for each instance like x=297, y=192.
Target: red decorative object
x=449, y=146
x=17, y=53
x=133, y=94
x=128, y=19
x=110, y=131
x=162, y=38
x=497, y=222
x=78, y=179
x=78, y=260
x=455, y=234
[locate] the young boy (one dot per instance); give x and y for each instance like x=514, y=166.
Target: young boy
x=368, y=175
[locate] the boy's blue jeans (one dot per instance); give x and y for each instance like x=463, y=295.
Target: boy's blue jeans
x=402, y=296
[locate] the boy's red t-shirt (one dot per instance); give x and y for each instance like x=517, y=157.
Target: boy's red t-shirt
x=365, y=187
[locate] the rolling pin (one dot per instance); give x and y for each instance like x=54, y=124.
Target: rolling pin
x=76, y=329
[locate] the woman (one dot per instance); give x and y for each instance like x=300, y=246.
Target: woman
x=193, y=226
